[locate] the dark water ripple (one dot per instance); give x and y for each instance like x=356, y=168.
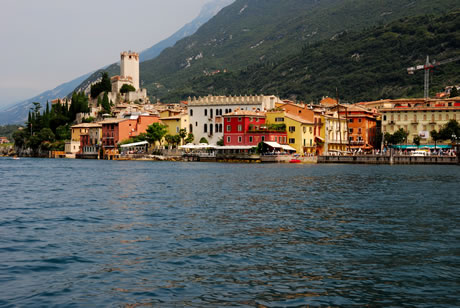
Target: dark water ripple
x=97, y=233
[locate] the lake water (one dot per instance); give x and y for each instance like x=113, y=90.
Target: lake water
x=132, y=234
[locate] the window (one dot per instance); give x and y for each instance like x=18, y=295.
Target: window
x=177, y=129
x=304, y=142
x=350, y=130
x=229, y=139
x=279, y=119
x=359, y=120
x=191, y=112
x=229, y=128
x=311, y=129
x=220, y=128
x=291, y=129
x=350, y=120
x=239, y=119
x=311, y=142
x=210, y=129
x=217, y=128
x=210, y=113
x=196, y=123
x=190, y=128
x=359, y=130
x=205, y=128
x=206, y=112
x=250, y=139
x=240, y=128
x=257, y=119
x=291, y=140
x=384, y=117
x=240, y=139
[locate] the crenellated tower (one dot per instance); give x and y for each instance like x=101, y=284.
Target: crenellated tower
x=129, y=67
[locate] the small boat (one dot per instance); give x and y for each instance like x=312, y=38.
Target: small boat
x=15, y=157
x=295, y=161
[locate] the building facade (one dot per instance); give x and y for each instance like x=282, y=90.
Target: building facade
x=248, y=128
x=206, y=113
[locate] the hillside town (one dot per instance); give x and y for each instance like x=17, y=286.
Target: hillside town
x=240, y=127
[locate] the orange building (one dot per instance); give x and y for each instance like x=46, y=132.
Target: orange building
x=116, y=130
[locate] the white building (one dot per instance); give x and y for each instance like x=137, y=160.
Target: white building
x=206, y=113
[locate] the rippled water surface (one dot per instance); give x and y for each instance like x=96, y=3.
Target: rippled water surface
x=100, y=233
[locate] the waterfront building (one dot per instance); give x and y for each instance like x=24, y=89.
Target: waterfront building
x=335, y=133
x=248, y=128
x=420, y=118
x=4, y=140
x=361, y=126
x=299, y=130
x=116, y=130
x=90, y=140
x=175, y=123
x=206, y=113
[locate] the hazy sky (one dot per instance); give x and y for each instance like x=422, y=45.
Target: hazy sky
x=47, y=42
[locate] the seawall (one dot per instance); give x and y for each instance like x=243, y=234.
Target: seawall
x=397, y=160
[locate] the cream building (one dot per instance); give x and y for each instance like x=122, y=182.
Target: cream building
x=335, y=134
x=421, y=119
x=206, y=113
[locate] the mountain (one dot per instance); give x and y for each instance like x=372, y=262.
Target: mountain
x=250, y=32
x=207, y=12
x=367, y=65
x=17, y=113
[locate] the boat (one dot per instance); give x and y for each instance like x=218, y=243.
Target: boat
x=15, y=157
x=295, y=161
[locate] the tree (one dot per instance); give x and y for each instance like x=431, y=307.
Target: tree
x=105, y=85
x=453, y=92
x=169, y=139
x=156, y=132
x=106, y=104
x=416, y=140
x=204, y=140
x=127, y=88
x=46, y=134
x=435, y=136
x=189, y=138
x=182, y=134
x=63, y=132
x=398, y=137
x=220, y=142
x=176, y=139
x=452, y=128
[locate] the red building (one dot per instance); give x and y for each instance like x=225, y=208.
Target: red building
x=244, y=128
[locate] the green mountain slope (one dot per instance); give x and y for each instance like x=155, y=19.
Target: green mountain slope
x=255, y=31
x=368, y=65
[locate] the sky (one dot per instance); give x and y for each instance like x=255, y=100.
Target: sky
x=48, y=42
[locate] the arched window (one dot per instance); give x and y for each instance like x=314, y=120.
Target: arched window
x=220, y=127
x=210, y=113
x=191, y=112
x=206, y=112
x=191, y=128
x=217, y=128
x=205, y=128
x=210, y=128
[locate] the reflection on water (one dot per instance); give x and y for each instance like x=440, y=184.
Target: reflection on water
x=132, y=234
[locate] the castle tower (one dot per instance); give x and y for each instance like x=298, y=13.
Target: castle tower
x=129, y=66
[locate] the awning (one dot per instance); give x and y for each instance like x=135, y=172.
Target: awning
x=134, y=144
x=318, y=137
x=287, y=147
x=272, y=144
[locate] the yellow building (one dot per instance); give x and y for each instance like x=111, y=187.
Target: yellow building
x=176, y=123
x=419, y=120
x=299, y=130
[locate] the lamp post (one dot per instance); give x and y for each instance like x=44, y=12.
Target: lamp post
x=455, y=146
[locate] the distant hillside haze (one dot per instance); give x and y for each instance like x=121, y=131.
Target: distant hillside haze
x=17, y=113
x=250, y=32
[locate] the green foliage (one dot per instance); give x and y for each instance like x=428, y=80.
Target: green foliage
x=102, y=86
x=189, y=138
x=139, y=138
x=277, y=127
x=416, y=140
x=88, y=120
x=453, y=92
x=204, y=140
x=8, y=130
x=451, y=129
x=398, y=137
x=367, y=65
x=221, y=142
x=79, y=105
x=63, y=132
x=156, y=132
x=182, y=133
x=127, y=88
x=106, y=108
